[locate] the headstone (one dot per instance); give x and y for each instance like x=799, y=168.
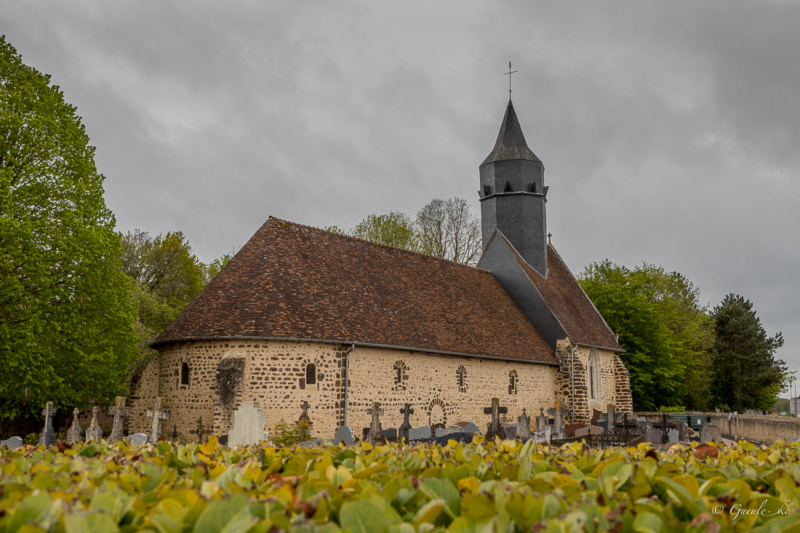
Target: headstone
x=611, y=412
x=542, y=437
x=558, y=412
x=12, y=444
x=709, y=432
x=524, y=426
x=374, y=434
x=406, y=411
x=344, y=434
x=571, y=428
x=588, y=430
x=541, y=421
x=137, y=439
x=93, y=432
x=74, y=433
x=440, y=432
x=48, y=437
x=511, y=431
x=472, y=428
x=458, y=437
x=304, y=415
x=201, y=432
x=158, y=416
x=495, y=429
x=248, y=425
x=120, y=412
x=419, y=433
x=390, y=433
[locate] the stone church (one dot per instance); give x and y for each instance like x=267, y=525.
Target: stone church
x=306, y=315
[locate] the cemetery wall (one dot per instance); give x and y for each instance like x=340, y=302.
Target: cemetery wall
x=765, y=429
x=444, y=389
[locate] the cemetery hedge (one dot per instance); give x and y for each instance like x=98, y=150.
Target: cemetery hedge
x=499, y=486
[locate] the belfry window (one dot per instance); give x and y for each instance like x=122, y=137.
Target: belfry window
x=508, y=187
x=311, y=374
x=185, y=374
x=487, y=190
x=533, y=187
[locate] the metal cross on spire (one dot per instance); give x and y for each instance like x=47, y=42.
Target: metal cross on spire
x=509, y=73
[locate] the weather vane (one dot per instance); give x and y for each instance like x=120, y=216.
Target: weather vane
x=509, y=73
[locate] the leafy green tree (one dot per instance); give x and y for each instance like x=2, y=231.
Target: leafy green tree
x=395, y=229
x=746, y=373
x=661, y=325
x=215, y=266
x=448, y=229
x=66, y=313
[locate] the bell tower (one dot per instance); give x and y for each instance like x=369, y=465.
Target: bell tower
x=513, y=194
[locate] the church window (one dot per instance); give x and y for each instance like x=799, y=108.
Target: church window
x=595, y=381
x=400, y=375
x=508, y=188
x=185, y=374
x=512, y=382
x=461, y=378
x=311, y=374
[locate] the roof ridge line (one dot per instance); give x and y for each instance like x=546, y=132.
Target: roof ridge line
x=377, y=244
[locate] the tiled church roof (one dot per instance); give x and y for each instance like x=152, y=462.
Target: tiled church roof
x=569, y=303
x=296, y=282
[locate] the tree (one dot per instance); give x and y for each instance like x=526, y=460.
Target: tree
x=395, y=229
x=661, y=325
x=66, y=313
x=448, y=229
x=746, y=373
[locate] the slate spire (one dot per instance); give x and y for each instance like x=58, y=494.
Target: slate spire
x=513, y=194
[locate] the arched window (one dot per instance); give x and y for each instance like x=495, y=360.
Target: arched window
x=512, y=382
x=400, y=375
x=185, y=374
x=311, y=374
x=461, y=378
x=595, y=381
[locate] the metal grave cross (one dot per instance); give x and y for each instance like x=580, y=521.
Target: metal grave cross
x=664, y=426
x=304, y=415
x=120, y=412
x=509, y=73
x=200, y=431
x=406, y=411
x=495, y=429
x=93, y=432
x=157, y=415
x=74, y=432
x=48, y=436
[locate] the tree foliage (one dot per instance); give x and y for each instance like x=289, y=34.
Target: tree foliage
x=448, y=229
x=746, y=373
x=395, y=229
x=66, y=313
x=664, y=330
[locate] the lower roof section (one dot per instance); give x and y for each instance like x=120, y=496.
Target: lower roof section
x=295, y=282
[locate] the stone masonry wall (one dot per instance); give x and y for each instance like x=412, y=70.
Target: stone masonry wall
x=443, y=389
x=144, y=390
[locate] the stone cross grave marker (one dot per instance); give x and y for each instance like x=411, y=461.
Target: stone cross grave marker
x=119, y=412
x=495, y=429
x=524, y=426
x=248, y=425
x=175, y=434
x=375, y=434
x=48, y=436
x=93, y=432
x=611, y=415
x=158, y=416
x=201, y=431
x=558, y=412
x=406, y=411
x=304, y=415
x=541, y=420
x=74, y=433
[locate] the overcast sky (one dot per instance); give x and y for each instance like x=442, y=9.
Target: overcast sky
x=670, y=130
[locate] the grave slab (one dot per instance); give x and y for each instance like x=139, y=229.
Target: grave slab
x=248, y=425
x=344, y=434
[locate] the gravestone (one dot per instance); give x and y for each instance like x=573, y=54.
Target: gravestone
x=390, y=433
x=440, y=432
x=709, y=433
x=589, y=430
x=472, y=428
x=304, y=415
x=611, y=414
x=201, y=432
x=344, y=434
x=524, y=426
x=12, y=444
x=137, y=439
x=570, y=429
x=558, y=413
x=48, y=436
x=541, y=420
x=511, y=431
x=374, y=435
x=419, y=433
x=495, y=429
x=248, y=425
x=158, y=416
x=74, y=433
x=542, y=437
x=93, y=432
x=406, y=411
x=119, y=411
